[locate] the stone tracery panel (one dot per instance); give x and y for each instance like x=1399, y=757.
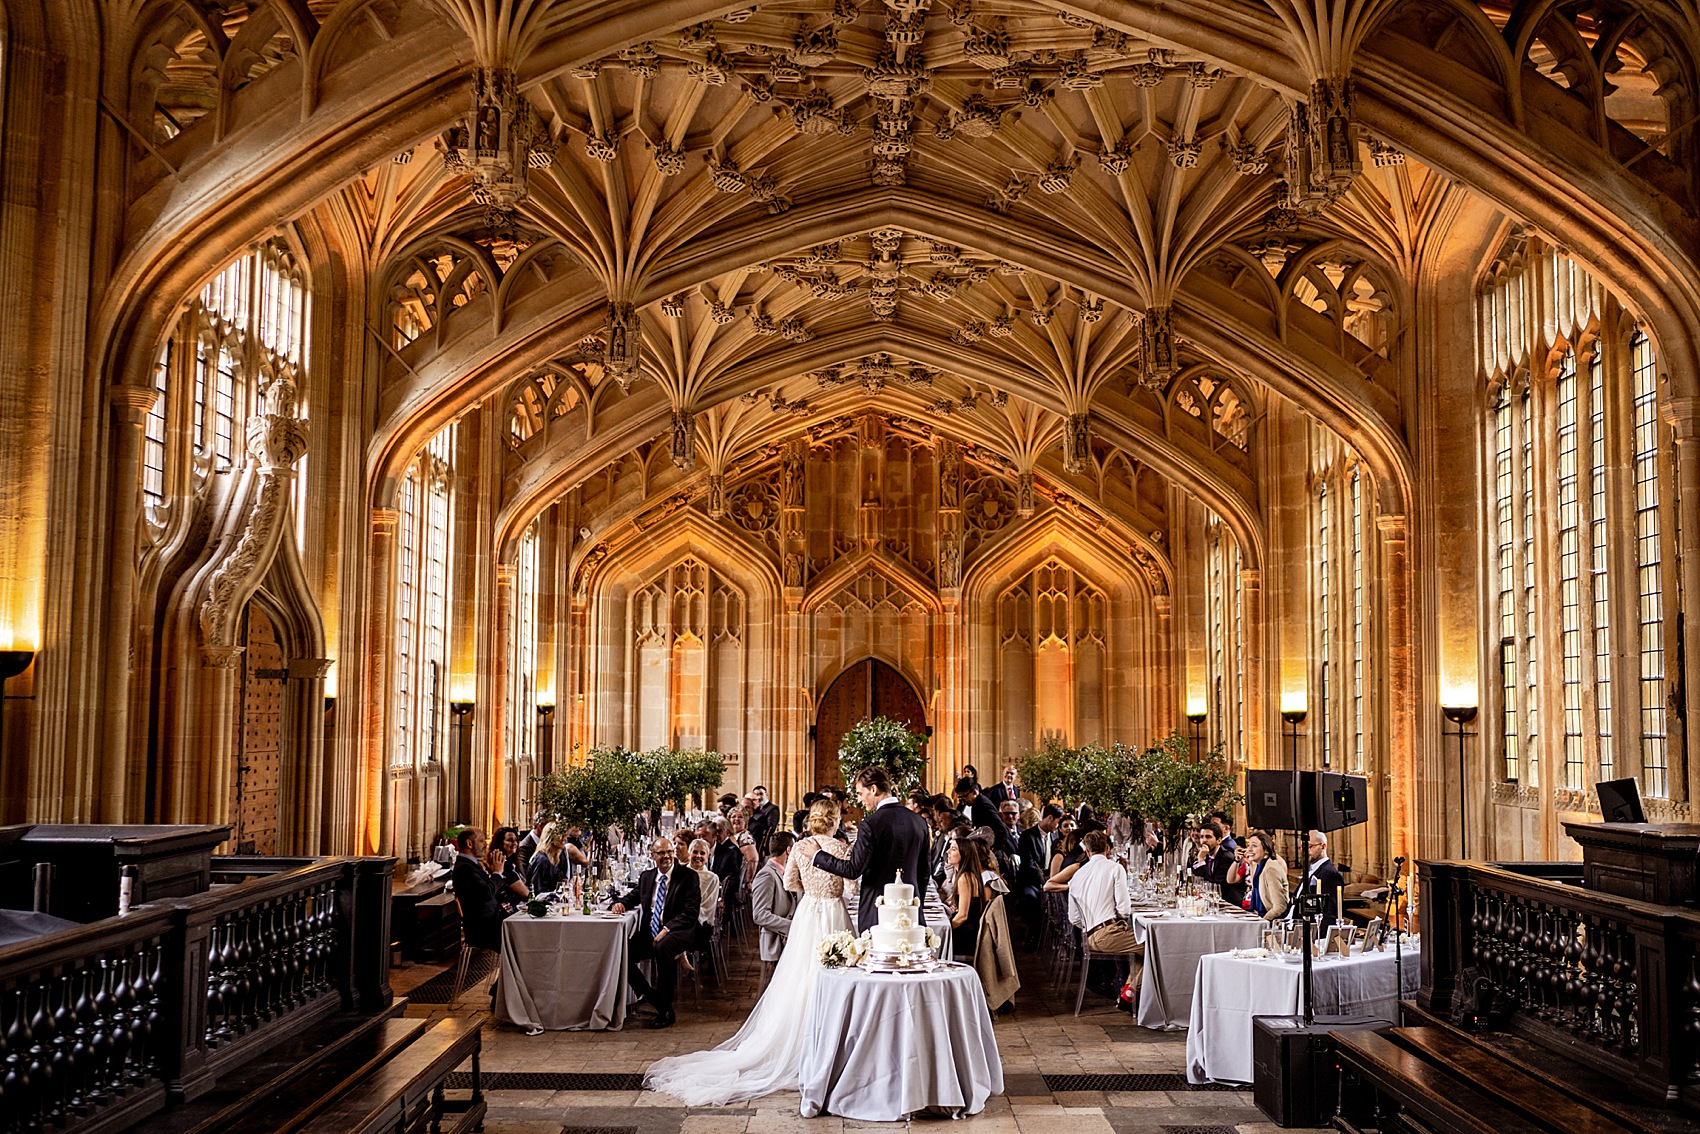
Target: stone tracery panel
x=685, y=635
x=1053, y=656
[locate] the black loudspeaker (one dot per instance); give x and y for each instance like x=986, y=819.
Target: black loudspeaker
x=1280, y=801
x=1296, y=1080
x=1341, y=801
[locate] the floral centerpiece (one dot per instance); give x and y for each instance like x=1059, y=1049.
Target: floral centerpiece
x=841, y=950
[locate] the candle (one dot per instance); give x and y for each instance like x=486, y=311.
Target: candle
x=1340, y=898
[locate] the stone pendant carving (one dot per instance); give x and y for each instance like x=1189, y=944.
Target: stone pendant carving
x=1159, y=359
x=682, y=445
x=1322, y=146
x=716, y=496
x=497, y=142
x=621, y=349
x=1077, y=444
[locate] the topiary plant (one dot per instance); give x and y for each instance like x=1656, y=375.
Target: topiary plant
x=884, y=743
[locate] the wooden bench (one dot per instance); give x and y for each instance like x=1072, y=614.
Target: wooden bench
x=406, y=1092
x=1451, y=1084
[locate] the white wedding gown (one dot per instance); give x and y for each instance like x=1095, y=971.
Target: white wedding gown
x=762, y=1057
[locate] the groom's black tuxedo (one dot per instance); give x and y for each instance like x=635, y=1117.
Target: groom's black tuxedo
x=891, y=838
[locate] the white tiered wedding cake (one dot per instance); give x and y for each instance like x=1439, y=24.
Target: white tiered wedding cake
x=902, y=933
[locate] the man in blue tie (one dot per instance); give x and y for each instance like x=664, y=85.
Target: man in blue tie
x=669, y=898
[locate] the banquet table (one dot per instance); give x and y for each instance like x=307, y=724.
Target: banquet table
x=1231, y=990
x=881, y=1046
x=1173, y=947
x=565, y=972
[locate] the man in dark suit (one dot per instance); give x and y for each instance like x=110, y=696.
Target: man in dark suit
x=477, y=881
x=1323, y=877
x=1005, y=789
x=724, y=858
x=665, y=927
x=1215, y=858
x=981, y=813
x=891, y=839
x=764, y=820
x=1034, y=850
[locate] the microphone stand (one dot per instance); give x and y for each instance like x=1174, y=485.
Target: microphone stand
x=1301, y=911
x=1394, y=891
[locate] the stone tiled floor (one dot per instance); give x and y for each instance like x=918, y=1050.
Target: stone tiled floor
x=1041, y=1038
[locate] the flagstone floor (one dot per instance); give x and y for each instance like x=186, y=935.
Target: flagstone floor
x=1041, y=1038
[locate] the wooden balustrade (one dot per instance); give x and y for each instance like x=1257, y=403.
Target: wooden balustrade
x=107, y=1023
x=1609, y=981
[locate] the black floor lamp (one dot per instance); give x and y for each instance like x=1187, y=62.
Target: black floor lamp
x=1461, y=715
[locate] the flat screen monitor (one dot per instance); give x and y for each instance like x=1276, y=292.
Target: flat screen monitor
x=1620, y=801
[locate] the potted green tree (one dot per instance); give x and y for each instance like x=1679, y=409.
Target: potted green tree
x=885, y=743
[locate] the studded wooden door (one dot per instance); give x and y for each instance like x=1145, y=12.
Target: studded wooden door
x=870, y=688
x=259, y=738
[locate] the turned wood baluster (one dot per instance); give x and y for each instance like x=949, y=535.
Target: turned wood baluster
x=101, y=1043
x=63, y=1065
x=40, y=1056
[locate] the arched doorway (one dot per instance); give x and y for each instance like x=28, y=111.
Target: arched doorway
x=870, y=688
x=257, y=807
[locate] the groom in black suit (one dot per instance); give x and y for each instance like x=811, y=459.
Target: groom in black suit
x=891, y=838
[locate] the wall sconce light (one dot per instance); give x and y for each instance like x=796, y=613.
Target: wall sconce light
x=1195, y=716
x=1293, y=712
x=14, y=662
x=330, y=702
x=460, y=708
x=545, y=709
x=1461, y=715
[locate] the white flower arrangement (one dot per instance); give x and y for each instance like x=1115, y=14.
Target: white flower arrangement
x=932, y=938
x=840, y=950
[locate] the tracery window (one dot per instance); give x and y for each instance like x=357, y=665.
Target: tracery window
x=1343, y=608
x=1053, y=640
x=522, y=659
x=687, y=630
x=420, y=679
x=245, y=329
x=1224, y=629
x=1573, y=394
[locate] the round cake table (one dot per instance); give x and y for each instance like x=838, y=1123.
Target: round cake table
x=881, y=1046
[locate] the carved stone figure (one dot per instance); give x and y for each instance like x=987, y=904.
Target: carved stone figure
x=950, y=478
x=791, y=479
x=950, y=562
x=793, y=570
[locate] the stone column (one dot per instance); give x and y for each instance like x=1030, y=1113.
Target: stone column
x=1251, y=594
x=1163, y=644
x=373, y=819
x=1683, y=415
x=120, y=785
x=1401, y=772
x=492, y=769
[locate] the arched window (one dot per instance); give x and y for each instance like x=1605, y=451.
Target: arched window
x=522, y=692
x=245, y=330
x=424, y=543
x=1342, y=596
x=1574, y=392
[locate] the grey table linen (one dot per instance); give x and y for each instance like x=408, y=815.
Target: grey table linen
x=880, y=1046
x=1232, y=990
x=1173, y=946
x=565, y=973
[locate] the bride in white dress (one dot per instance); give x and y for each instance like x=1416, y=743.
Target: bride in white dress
x=762, y=1057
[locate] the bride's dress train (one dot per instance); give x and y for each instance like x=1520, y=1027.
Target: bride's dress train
x=762, y=1057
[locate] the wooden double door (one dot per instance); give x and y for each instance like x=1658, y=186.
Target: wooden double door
x=868, y=689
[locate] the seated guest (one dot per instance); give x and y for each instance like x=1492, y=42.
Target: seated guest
x=920, y=802
x=1323, y=876
x=709, y=884
x=1216, y=857
x=943, y=816
x=771, y=904
x=682, y=840
x=1065, y=860
x=1035, y=860
x=671, y=904
x=725, y=859
x=1264, y=874
x=1098, y=902
x=550, y=865
x=528, y=846
x=970, y=860
x=746, y=840
x=514, y=890
x=478, y=883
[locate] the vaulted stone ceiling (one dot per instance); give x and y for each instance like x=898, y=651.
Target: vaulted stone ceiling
x=1026, y=205
x=984, y=214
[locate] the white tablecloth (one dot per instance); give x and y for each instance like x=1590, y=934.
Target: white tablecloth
x=1173, y=946
x=565, y=973
x=880, y=1046
x=1231, y=990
